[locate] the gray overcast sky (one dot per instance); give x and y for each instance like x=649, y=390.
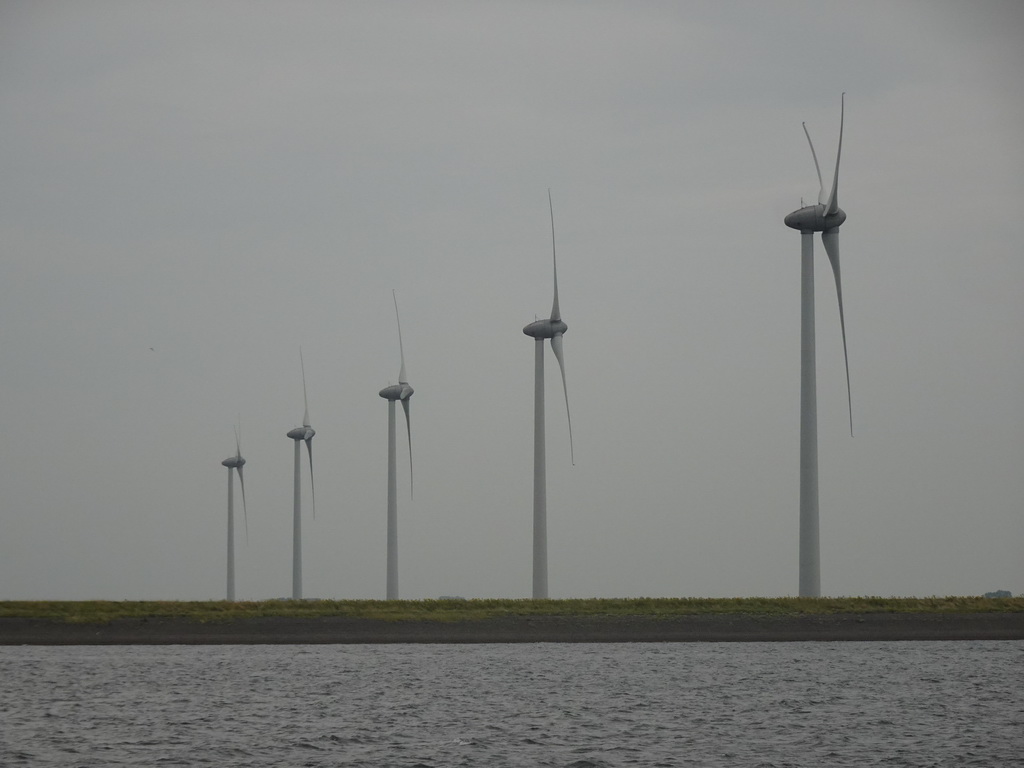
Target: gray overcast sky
x=224, y=181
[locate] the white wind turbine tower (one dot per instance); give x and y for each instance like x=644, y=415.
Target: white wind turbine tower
x=825, y=217
x=299, y=434
x=552, y=328
x=236, y=462
x=403, y=392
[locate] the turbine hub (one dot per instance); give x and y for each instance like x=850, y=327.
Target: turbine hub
x=302, y=433
x=812, y=218
x=545, y=329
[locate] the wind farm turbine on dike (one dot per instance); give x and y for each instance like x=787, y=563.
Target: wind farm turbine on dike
x=826, y=217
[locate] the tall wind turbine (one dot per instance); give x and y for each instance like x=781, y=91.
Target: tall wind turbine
x=299, y=434
x=403, y=392
x=825, y=217
x=236, y=462
x=552, y=328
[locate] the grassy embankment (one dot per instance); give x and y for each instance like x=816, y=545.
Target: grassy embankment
x=101, y=611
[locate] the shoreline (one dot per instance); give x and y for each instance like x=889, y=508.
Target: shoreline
x=522, y=629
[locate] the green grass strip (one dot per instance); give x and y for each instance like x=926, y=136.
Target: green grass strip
x=102, y=611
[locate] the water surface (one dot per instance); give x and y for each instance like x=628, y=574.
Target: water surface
x=580, y=705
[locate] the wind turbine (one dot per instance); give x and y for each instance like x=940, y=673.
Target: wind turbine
x=299, y=434
x=236, y=462
x=403, y=392
x=552, y=328
x=825, y=217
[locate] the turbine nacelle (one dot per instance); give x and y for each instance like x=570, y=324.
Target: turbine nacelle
x=813, y=218
x=545, y=329
x=302, y=433
x=397, y=392
x=235, y=462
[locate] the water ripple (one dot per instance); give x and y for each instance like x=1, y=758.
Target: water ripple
x=778, y=705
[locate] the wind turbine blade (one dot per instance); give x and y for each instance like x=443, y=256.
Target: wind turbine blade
x=408, y=429
x=402, y=379
x=554, y=261
x=833, y=199
x=821, y=184
x=556, y=347
x=312, y=486
x=305, y=399
x=245, y=511
x=830, y=239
